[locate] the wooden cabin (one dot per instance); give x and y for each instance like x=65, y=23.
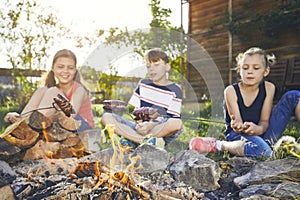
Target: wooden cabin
x=220, y=29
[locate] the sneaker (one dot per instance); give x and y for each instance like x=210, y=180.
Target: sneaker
x=159, y=142
x=127, y=143
x=203, y=144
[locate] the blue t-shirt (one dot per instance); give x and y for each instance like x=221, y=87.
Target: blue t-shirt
x=248, y=113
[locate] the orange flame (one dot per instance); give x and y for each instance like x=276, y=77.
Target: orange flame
x=118, y=153
x=50, y=154
x=97, y=171
x=78, y=152
x=45, y=135
x=135, y=164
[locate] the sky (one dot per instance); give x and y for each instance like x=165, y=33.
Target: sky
x=86, y=16
x=132, y=14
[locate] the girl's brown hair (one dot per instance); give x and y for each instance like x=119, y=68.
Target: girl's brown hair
x=50, y=79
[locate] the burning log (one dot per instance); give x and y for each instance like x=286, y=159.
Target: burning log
x=52, y=140
x=70, y=147
x=38, y=121
x=68, y=123
x=20, y=134
x=56, y=133
x=41, y=150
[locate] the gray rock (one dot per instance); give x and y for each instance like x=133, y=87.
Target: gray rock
x=259, y=197
x=7, y=175
x=196, y=170
x=286, y=190
x=146, y=158
x=152, y=158
x=241, y=165
x=103, y=156
x=8, y=151
x=270, y=171
x=91, y=139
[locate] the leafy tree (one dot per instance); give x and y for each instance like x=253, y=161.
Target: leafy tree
x=107, y=82
x=27, y=32
x=161, y=34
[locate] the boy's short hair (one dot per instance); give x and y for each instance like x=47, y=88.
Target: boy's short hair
x=154, y=55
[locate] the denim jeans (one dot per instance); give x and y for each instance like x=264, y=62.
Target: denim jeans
x=133, y=126
x=261, y=146
x=84, y=125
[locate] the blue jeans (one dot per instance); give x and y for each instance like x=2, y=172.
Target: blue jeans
x=260, y=146
x=133, y=126
x=84, y=125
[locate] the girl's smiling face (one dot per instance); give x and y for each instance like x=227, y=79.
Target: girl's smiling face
x=64, y=69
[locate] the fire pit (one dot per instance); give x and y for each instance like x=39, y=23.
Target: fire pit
x=57, y=166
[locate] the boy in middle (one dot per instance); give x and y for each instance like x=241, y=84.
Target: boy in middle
x=156, y=93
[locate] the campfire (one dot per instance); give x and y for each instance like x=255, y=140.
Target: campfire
x=51, y=161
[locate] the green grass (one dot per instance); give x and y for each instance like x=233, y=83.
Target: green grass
x=192, y=128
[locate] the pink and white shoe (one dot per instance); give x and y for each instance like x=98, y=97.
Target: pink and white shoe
x=203, y=144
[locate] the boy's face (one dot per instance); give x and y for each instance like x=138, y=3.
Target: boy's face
x=158, y=70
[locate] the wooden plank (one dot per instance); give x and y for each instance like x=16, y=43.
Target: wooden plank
x=277, y=76
x=215, y=42
x=293, y=80
x=21, y=72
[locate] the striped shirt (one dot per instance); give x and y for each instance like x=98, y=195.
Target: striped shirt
x=166, y=99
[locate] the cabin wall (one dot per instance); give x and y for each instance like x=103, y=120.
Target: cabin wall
x=211, y=48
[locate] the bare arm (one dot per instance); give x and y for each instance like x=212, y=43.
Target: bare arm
x=233, y=109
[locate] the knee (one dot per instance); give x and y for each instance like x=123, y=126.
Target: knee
x=106, y=118
x=53, y=92
x=292, y=93
x=176, y=123
x=297, y=111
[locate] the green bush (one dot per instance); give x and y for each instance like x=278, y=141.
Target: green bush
x=293, y=129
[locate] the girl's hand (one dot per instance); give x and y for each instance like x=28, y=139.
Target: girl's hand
x=250, y=128
x=237, y=126
x=12, y=117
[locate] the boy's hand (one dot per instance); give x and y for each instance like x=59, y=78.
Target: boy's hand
x=143, y=128
x=145, y=113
